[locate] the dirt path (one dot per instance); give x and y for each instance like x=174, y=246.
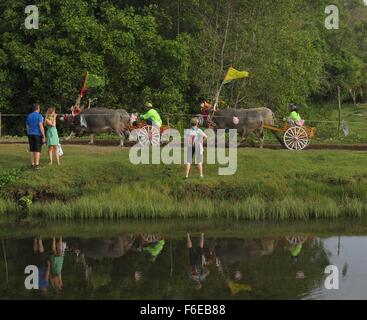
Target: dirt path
x=112, y=143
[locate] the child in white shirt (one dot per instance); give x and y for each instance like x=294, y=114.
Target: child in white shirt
x=194, y=142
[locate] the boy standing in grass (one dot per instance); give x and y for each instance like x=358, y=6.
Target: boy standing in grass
x=194, y=142
x=36, y=135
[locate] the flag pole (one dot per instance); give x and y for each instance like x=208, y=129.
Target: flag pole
x=220, y=89
x=80, y=96
x=217, y=96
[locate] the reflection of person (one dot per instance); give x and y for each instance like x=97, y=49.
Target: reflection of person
x=57, y=261
x=195, y=148
x=80, y=258
x=232, y=282
x=198, y=270
x=295, y=246
x=43, y=265
x=52, y=137
x=151, y=244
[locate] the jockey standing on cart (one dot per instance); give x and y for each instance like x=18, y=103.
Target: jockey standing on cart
x=152, y=117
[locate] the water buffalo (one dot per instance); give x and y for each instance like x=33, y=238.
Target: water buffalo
x=98, y=120
x=246, y=121
x=98, y=249
x=238, y=250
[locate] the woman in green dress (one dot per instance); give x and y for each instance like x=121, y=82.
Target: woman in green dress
x=52, y=137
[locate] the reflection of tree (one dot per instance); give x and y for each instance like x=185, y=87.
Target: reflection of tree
x=5, y=260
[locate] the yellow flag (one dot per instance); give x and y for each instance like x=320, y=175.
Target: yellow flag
x=238, y=287
x=233, y=74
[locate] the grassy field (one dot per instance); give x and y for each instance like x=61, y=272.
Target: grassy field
x=100, y=182
x=327, y=123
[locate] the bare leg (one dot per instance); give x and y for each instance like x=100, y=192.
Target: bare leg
x=50, y=150
x=187, y=169
x=35, y=245
x=37, y=156
x=189, y=242
x=57, y=155
x=59, y=246
x=31, y=155
x=41, y=249
x=54, y=246
x=200, y=166
x=201, y=244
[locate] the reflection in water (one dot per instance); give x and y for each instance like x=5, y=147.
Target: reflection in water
x=184, y=266
x=152, y=266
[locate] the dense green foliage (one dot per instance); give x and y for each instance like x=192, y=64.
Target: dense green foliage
x=268, y=185
x=176, y=52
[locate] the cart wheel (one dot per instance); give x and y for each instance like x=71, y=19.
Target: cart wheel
x=149, y=135
x=296, y=138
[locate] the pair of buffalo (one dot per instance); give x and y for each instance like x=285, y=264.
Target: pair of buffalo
x=98, y=120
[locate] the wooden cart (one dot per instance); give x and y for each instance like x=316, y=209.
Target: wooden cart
x=148, y=135
x=294, y=137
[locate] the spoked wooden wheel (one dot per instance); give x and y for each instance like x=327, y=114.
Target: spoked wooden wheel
x=296, y=138
x=149, y=135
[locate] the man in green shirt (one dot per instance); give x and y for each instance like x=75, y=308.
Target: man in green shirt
x=152, y=116
x=294, y=117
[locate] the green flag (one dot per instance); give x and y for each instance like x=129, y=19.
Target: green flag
x=95, y=81
x=91, y=81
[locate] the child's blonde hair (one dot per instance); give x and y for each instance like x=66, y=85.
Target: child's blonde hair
x=195, y=121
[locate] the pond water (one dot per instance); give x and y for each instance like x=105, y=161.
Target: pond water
x=183, y=260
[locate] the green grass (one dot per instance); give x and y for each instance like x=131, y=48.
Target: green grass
x=100, y=182
x=354, y=116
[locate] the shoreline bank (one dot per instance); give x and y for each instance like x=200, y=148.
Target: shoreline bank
x=99, y=182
